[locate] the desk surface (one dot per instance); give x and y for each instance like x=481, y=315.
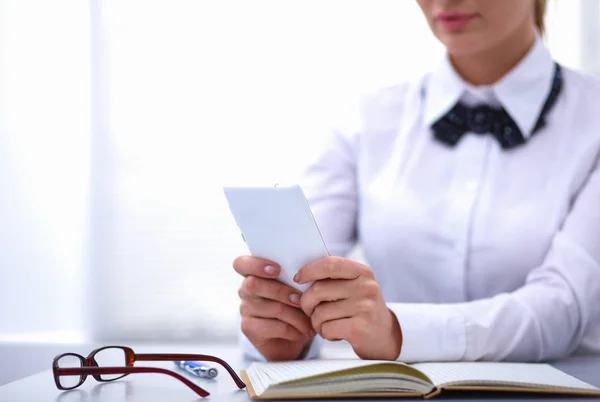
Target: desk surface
x=158, y=387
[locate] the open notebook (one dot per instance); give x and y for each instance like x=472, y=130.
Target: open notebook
x=312, y=379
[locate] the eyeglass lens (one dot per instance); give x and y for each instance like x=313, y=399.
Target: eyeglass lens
x=111, y=357
x=70, y=381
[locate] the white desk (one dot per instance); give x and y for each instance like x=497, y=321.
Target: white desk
x=158, y=387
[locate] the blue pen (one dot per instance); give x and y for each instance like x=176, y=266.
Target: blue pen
x=197, y=369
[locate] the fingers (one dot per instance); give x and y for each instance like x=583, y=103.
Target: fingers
x=337, y=330
x=327, y=290
x=330, y=268
x=254, y=287
x=263, y=308
x=249, y=265
x=330, y=311
x=263, y=329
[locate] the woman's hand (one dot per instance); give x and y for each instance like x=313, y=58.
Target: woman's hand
x=271, y=316
x=345, y=302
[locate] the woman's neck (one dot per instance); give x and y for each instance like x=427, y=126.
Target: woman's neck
x=489, y=66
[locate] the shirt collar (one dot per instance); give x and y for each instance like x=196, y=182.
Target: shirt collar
x=522, y=92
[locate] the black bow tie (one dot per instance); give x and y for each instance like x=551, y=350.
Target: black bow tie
x=483, y=119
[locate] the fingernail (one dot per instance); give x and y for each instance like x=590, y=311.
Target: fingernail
x=297, y=277
x=295, y=298
x=270, y=270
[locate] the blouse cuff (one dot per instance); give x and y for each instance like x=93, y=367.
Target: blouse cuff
x=430, y=332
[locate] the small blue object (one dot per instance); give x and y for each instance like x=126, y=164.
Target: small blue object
x=197, y=369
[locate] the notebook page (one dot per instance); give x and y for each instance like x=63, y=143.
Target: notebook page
x=264, y=374
x=278, y=372
x=482, y=373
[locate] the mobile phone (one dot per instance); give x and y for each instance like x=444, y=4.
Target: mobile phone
x=278, y=225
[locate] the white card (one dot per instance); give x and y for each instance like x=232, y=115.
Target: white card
x=277, y=224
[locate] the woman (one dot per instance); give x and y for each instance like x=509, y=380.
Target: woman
x=475, y=193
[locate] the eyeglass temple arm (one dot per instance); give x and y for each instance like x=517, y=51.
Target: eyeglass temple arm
x=130, y=370
x=178, y=356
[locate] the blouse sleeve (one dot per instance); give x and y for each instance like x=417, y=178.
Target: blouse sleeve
x=544, y=319
x=329, y=184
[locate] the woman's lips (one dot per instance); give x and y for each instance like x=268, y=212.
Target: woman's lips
x=454, y=21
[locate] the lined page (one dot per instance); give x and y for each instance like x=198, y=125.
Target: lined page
x=489, y=373
x=264, y=374
x=278, y=372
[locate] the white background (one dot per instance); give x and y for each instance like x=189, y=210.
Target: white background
x=120, y=120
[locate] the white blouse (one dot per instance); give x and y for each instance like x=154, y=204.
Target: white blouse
x=482, y=253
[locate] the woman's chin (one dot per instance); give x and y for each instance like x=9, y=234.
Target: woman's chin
x=462, y=45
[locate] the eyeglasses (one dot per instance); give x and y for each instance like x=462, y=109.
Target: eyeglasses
x=111, y=363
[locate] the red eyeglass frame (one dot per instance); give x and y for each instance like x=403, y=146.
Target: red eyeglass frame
x=89, y=366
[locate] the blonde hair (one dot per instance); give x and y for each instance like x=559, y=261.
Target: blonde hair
x=539, y=9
